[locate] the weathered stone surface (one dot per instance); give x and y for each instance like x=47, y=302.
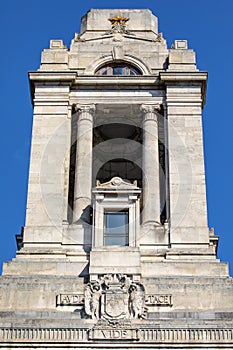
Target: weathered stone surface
x=164, y=287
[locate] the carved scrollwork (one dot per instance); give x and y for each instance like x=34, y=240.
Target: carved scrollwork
x=151, y=112
x=85, y=112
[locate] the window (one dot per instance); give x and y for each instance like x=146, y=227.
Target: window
x=116, y=214
x=116, y=228
x=118, y=69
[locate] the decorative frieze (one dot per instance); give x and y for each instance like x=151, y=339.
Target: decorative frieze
x=190, y=335
x=44, y=334
x=115, y=332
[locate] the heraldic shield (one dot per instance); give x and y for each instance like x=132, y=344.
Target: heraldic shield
x=114, y=297
x=114, y=304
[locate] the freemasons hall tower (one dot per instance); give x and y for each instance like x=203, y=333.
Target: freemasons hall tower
x=116, y=251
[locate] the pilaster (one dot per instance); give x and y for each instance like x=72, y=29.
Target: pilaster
x=188, y=213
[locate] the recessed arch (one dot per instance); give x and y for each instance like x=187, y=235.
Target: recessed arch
x=120, y=167
x=118, y=68
x=128, y=59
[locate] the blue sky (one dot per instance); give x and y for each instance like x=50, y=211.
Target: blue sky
x=26, y=28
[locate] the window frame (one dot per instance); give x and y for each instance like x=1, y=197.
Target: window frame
x=127, y=69
x=118, y=235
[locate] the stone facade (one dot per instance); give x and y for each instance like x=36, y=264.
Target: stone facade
x=117, y=137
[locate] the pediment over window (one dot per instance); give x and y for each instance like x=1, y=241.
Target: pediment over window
x=117, y=182
x=116, y=213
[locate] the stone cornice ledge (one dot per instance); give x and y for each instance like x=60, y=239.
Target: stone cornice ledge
x=169, y=76
x=177, y=78
x=116, y=80
x=44, y=77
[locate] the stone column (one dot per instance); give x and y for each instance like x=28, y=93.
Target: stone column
x=83, y=169
x=150, y=165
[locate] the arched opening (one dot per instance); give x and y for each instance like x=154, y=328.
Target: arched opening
x=117, y=151
x=122, y=168
x=124, y=69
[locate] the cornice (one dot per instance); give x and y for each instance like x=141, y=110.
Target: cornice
x=189, y=78
x=116, y=80
x=168, y=76
x=44, y=77
x=71, y=78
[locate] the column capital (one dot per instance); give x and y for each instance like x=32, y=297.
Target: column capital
x=85, y=111
x=151, y=111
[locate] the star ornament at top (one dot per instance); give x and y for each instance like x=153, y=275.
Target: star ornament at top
x=118, y=20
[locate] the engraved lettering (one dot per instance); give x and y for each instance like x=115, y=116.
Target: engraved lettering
x=124, y=334
x=104, y=333
x=158, y=300
x=65, y=300
x=70, y=299
x=77, y=299
x=116, y=334
x=108, y=334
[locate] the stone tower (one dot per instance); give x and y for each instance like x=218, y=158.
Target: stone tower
x=116, y=250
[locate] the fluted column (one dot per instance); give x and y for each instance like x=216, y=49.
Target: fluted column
x=150, y=164
x=83, y=168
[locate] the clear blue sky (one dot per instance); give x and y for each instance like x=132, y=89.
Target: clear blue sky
x=26, y=28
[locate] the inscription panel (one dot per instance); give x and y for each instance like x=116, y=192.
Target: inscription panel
x=150, y=300
x=114, y=334
x=70, y=299
x=158, y=300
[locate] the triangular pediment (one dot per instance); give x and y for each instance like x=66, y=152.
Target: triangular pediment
x=118, y=37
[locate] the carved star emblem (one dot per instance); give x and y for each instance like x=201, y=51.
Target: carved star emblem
x=118, y=20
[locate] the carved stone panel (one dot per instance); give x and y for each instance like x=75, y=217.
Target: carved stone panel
x=158, y=300
x=114, y=331
x=115, y=297
x=115, y=304
x=70, y=299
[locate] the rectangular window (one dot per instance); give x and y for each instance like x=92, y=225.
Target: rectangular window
x=116, y=228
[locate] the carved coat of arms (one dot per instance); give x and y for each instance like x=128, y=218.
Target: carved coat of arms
x=115, y=297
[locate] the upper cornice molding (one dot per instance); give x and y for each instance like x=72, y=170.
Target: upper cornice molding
x=189, y=78
x=56, y=78
x=169, y=76
x=71, y=78
x=63, y=76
